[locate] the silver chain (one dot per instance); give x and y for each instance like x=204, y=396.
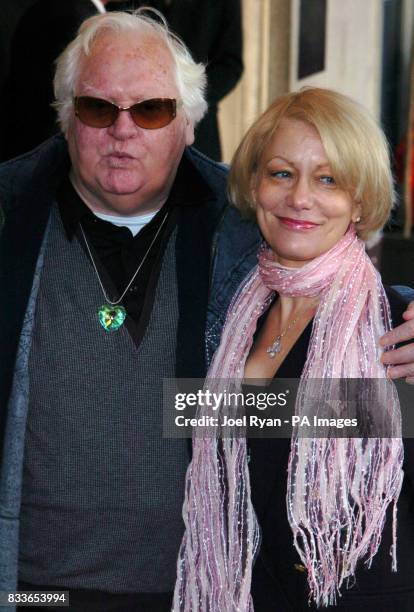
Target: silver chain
x=136, y=271
x=276, y=345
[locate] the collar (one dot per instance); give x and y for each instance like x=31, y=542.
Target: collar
x=188, y=189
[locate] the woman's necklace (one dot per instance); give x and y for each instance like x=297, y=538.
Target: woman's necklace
x=276, y=345
x=112, y=314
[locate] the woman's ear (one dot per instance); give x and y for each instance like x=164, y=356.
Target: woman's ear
x=356, y=212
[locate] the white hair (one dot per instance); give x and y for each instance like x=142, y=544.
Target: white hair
x=190, y=77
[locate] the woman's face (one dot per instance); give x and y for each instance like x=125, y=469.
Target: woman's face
x=301, y=212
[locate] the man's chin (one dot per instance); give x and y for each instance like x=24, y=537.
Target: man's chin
x=120, y=186
x=121, y=181
x=123, y=202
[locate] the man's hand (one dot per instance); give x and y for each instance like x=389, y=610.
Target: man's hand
x=403, y=357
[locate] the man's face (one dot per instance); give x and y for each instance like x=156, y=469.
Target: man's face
x=124, y=169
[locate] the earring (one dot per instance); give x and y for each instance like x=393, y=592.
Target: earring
x=357, y=220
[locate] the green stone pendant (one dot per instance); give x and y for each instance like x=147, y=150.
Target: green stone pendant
x=111, y=317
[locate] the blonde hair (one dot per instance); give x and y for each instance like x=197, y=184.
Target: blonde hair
x=190, y=77
x=355, y=146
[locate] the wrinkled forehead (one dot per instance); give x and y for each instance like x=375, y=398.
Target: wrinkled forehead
x=126, y=62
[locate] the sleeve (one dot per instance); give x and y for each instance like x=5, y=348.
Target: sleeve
x=398, y=303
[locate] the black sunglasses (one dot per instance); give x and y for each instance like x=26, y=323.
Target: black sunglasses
x=149, y=114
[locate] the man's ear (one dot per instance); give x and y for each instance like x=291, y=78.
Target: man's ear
x=70, y=125
x=189, y=132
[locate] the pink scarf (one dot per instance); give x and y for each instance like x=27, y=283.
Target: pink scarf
x=338, y=488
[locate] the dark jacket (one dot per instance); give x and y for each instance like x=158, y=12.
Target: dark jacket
x=27, y=190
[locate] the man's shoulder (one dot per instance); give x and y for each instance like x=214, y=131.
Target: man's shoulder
x=398, y=297
x=35, y=169
x=236, y=236
x=214, y=173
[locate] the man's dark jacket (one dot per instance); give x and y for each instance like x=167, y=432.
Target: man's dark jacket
x=27, y=190
x=215, y=249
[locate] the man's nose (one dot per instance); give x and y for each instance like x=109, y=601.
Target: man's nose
x=124, y=126
x=302, y=195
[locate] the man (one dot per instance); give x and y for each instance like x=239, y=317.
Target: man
x=108, y=258
x=92, y=494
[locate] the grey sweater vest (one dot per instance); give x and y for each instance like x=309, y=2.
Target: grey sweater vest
x=102, y=490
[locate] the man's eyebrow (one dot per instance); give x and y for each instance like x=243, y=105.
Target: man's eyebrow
x=90, y=90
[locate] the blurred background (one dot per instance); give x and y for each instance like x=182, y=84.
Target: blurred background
x=255, y=50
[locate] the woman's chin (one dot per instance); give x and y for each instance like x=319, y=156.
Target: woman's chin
x=294, y=258
x=296, y=253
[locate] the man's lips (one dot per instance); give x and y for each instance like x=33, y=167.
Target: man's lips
x=120, y=154
x=297, y=224
x=119, y=160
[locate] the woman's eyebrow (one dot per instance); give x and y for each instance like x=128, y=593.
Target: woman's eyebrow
x=324, y=164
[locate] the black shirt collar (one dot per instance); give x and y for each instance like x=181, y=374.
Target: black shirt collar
x=189, y=189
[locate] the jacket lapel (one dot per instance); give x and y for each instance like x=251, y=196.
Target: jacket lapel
x=19, y=248
x=195, y=231
x=197, y=223
x=26, y=215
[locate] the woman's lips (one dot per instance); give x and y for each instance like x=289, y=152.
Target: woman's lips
x=297, y=224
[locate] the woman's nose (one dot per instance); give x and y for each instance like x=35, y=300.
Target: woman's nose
x=302, y=194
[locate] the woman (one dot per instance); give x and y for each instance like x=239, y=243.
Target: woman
x=314, y=169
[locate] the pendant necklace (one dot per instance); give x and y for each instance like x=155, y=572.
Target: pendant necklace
x=112, y=314
x=276, y=345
